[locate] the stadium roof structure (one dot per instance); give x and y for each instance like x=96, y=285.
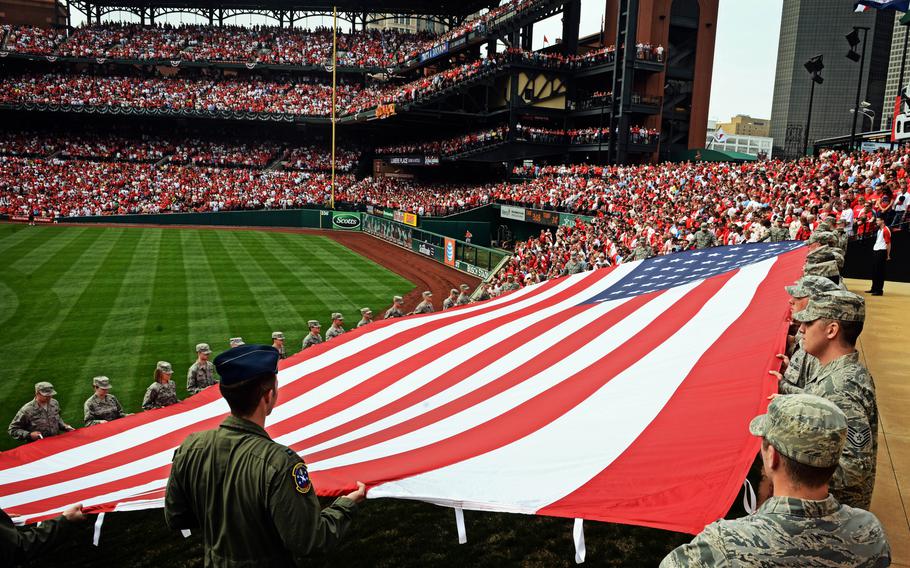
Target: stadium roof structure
x=426, y=7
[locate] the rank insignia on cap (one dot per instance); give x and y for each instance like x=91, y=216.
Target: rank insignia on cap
x=301, y=478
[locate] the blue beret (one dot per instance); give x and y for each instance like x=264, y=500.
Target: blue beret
x=245, y=362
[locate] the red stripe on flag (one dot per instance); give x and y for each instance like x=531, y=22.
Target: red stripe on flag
x=687, y=454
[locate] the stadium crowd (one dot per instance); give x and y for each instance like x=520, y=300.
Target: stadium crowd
x=254, y=95
x=256, y=44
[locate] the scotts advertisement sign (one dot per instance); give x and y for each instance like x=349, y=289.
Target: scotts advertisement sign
x=345, y=221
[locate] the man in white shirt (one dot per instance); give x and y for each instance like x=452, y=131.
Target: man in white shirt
x=881, y=253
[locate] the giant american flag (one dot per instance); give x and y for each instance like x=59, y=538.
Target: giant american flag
x=621, y=394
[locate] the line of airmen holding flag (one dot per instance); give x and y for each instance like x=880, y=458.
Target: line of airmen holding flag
x=40, y=417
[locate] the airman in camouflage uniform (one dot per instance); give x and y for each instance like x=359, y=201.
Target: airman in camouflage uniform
x=704, y=238
x=464, y=298
x=778, y=234
x=39, y=417
x=642, y=250
x=827, y=269
x=801, y=365
x=842, y=238
x=312, y=338
x=163, y=392
x=805, y=530
x=102, y=406
x=236, y=341
x=366, y=317
x=826, y=253
x=821, y=238
x=450, y=300
x=278, y=343
x=484, y=292
x=395, y=310
x=843, y=380
x=201, y=374
x=510, y=284
x=337, y=327
x=575, y=264
x=426, y=306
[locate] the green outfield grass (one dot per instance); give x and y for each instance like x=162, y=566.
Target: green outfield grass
x=76, y=302
x=80, y=301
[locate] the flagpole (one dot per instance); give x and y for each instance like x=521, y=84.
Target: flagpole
x=334, y=94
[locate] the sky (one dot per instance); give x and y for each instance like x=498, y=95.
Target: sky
x=744, y=58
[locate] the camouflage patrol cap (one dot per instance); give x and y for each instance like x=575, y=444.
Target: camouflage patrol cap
x=365, y=311
x=823, y=237
x=453, y=291
x=427, y=294
x=465, y=287
x=203, y=348
x=826, y=253
x=806, y=428
x=102, y=382
x=836, y=305
x=277, y=335
x=337, y=316
x=313, y=323
x=45, y=388
x=236, y=341
x=164, y=367
x=828, y=269
x=810, y=286
x=397, y=299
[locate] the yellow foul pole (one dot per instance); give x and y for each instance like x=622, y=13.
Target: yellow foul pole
x=334, y=89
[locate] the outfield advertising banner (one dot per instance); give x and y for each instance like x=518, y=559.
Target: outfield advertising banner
x=427, y=249
x=477, y=271
x=568, y=219
x=346, y=221
x=449, y=254
x=514, y=213
x=388, y=231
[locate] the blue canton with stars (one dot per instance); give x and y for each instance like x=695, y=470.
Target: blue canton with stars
x=669, y=271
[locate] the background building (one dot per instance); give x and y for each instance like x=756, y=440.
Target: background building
x=406, y=23
x=894, y=72
x=747, y=126
x=812, y=27
x=687, y=29
x=760, y=146
x=44, y=13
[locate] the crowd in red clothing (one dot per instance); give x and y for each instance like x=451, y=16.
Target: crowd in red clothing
x=175, y=94
x=319, y=158
x=658, y=205
x=259, y=44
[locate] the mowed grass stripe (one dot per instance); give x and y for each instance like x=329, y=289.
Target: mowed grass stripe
x=244, y=316
x=165, y=337
x=20, y=235
x=85, y=305
x=117, y=350
x=277, y=308
x=303, y=250
x=36, y=299
x=308, y=287
x=206, y=316
x=384, y=282
x=29, y=255
x=318, y=256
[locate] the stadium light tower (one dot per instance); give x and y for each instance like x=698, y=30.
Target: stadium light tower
x=853, y=40
x=814, y=66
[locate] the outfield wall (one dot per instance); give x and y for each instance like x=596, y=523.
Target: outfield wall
x=299, y=218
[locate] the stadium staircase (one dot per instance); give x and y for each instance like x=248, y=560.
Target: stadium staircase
x=162, y=161
x=278, y=162
x=3, y=38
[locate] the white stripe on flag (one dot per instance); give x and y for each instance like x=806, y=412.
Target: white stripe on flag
x=613, y=338
x=514, y=478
